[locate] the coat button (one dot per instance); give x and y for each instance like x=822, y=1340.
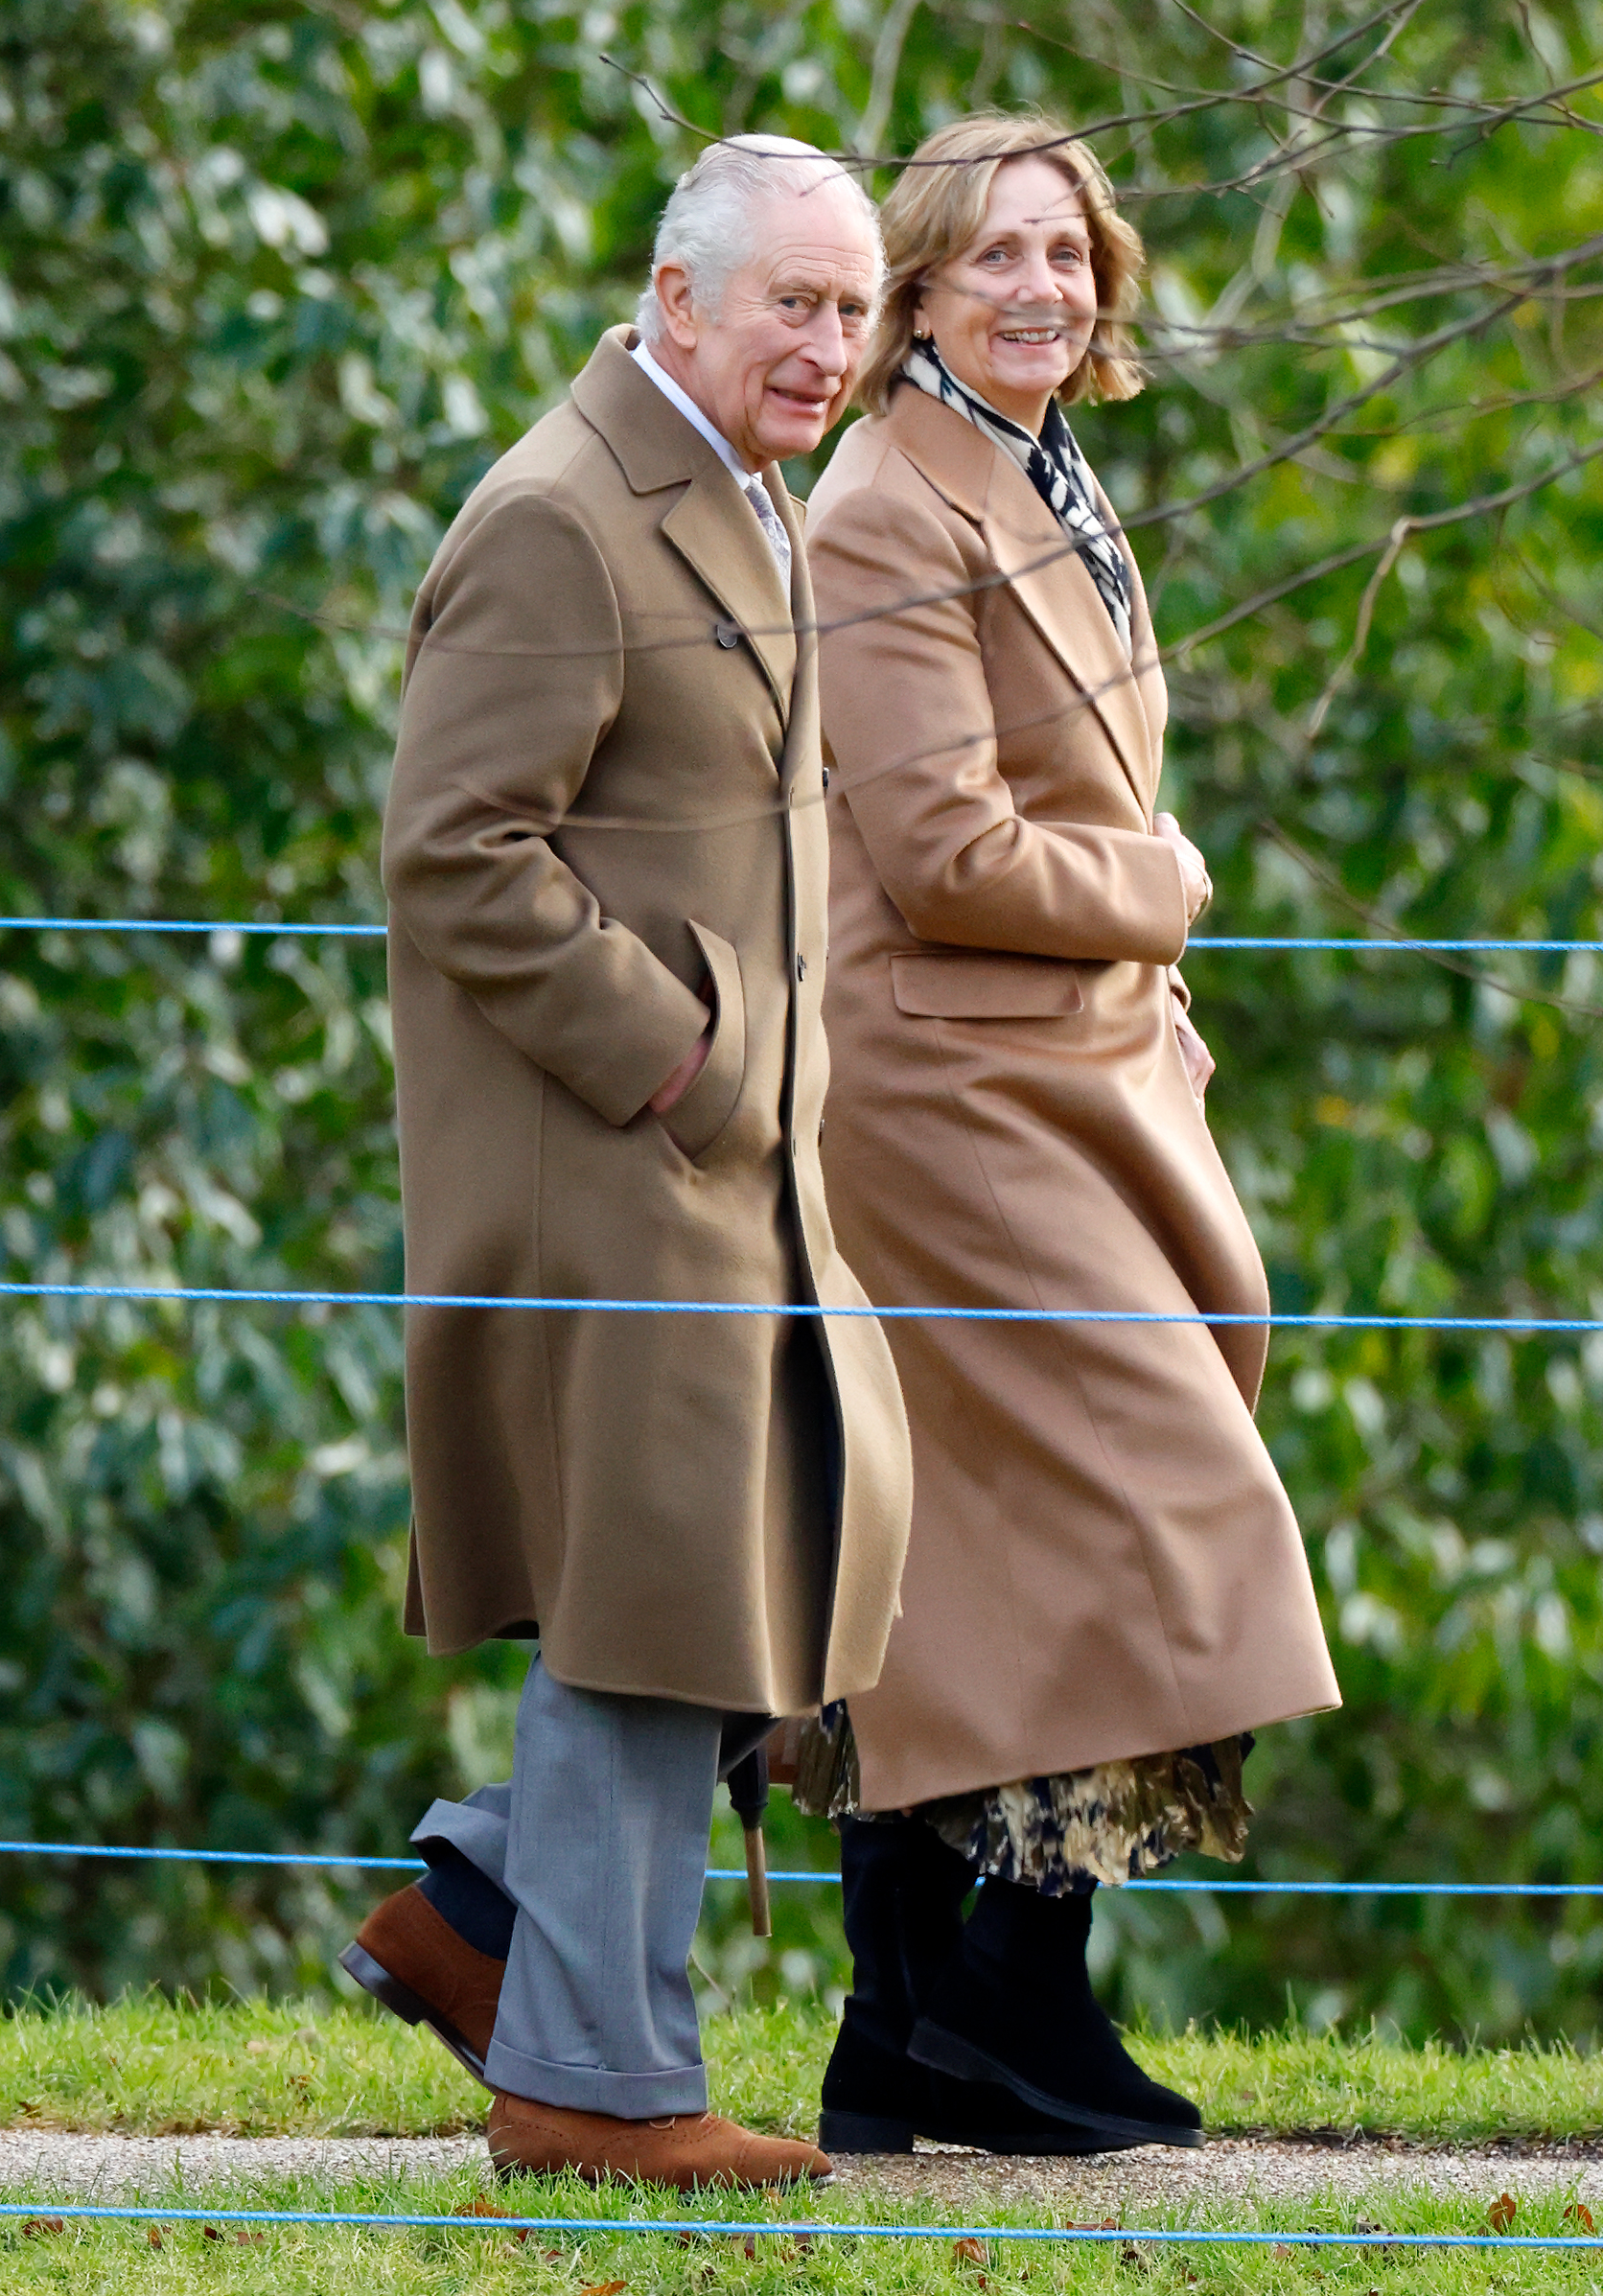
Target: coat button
x=801, y=967
x=728, y=633
x=826, y=777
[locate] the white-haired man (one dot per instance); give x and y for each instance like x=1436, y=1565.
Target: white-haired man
x=605, y=857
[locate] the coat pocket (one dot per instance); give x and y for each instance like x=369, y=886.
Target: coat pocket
x=694, y=1122
x=984, y=986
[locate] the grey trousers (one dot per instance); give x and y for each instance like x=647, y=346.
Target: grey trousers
x=599, y=1839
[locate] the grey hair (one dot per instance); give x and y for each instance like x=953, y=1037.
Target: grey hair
x=708, y=224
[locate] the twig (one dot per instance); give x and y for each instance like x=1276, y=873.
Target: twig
x=1334, y=885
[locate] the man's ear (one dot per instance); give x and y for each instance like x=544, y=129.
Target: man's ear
x=676, y=300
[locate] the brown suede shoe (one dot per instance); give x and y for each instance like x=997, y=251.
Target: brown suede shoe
x=409, y=1958
x=684, y=2150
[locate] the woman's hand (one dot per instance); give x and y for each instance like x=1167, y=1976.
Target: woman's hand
x=1198, y=1060
x=1195, y=880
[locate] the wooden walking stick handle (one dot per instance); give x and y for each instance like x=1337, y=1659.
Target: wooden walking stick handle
x=748, y=1785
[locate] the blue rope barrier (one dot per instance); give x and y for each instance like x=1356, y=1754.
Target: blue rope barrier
x=1468, y=948
x=807, y=1873
x=217, y=1294
x=357, y=932
x=165, y=924
x=814, y=2229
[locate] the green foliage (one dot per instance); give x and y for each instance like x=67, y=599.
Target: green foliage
x=278, y=283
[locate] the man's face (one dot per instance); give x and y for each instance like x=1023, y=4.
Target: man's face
x=774, y=367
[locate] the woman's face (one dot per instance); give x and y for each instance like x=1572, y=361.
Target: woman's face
x=1012, y=314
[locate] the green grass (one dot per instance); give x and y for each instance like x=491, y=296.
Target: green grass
x=109, y=2259
x=146, y=2066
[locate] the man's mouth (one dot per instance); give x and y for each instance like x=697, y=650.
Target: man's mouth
x=804, y=402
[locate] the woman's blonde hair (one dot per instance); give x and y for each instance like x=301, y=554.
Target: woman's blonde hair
x=938, y=208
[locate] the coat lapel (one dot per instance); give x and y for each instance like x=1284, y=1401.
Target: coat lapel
x=707, y=523
x=1048, y=578
x=802, y=741
x=718, y=538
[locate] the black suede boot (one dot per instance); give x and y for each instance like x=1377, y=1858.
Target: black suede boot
x=901, y=1901
x=903, y=1890
x=1015, y=2006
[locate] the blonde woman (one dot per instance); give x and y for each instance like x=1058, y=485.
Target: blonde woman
x=1105, y=1591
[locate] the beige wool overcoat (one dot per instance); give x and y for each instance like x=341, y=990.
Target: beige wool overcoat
x=606, y=798
x=1103, y=1563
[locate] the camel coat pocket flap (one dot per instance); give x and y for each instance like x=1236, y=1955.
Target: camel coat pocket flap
x=695, y=1120
x=985, y=988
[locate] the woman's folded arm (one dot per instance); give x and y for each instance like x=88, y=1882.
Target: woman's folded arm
x=913, y=729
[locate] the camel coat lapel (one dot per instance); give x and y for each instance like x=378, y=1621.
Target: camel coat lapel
x=709, y=523
x=1045, y=572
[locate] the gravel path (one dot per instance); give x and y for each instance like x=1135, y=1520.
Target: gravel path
x=1235, y=2169
x=1228, y=2170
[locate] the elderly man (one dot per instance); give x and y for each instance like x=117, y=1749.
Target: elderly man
x=606, y=862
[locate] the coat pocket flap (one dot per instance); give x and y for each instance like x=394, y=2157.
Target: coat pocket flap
x=694, y=1121
x=990, y=986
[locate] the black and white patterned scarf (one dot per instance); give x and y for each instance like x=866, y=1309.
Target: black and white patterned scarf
x=1055, y=467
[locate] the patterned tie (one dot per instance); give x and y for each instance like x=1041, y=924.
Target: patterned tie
x=769, y=519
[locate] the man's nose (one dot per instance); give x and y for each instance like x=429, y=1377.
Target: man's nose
x=825, y=342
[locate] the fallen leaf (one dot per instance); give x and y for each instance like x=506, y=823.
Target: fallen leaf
x=1578, y=2213
x=1502, y=2211
x=209, y=2232
x=971, y=2252
x=37, y=2225
x=487, y=2208
x=605, y=2287
x=1133, y=2258
x=152, y=2234
x=258, y=2048
x=246, y=2238
x=745, y=2241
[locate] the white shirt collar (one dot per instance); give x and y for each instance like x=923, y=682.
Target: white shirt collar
x=693, y=415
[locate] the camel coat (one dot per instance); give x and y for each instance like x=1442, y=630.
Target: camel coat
x=1102, y=1562
x=606, y=797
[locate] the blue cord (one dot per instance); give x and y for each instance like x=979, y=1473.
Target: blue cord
x=1206, y=940
x=604, y=1307
x=1170, y=2235
x=737, y=1873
